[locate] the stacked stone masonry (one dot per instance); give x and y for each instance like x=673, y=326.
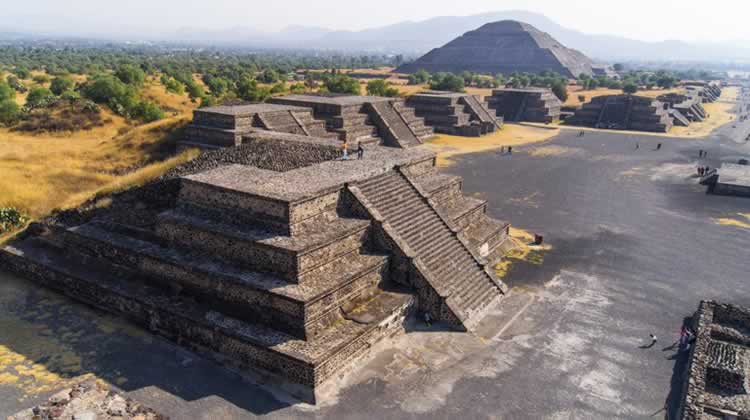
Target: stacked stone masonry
x=715, y=383
x=454, y=113
x=293, y=268
x=624, y=112
x=532, y=105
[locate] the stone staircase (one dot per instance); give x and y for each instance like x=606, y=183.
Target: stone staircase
x=461, y=281
x=299, y=302
x=479, y=110
x=392, y=126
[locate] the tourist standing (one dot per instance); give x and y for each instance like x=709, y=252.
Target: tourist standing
x=345, y=150
x=360, y=151
x=658, y=146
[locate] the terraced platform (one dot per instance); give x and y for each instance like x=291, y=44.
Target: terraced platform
x=296, y=272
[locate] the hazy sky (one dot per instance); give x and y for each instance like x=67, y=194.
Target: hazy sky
x=702, y=20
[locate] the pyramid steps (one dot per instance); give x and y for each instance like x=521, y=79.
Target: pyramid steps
x=452, y=270
x=202, y=328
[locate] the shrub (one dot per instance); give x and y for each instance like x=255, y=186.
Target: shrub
x=41, y=79
x=70, y=96
x=10, y=112
x=39, y=97
x=249, y=90
x=16, y=84
x=418, y=78
x=297, y=88
x=560, y=89
x=11, y=218
x=148, y=111
x=381, y=88
x=339, y=83
x=174, y=86
x=278, y=88
x=581, y=98
x=269, y=76
x=630, y=88
x=447, y=81
x=22, y=72
x=61, y=84
x=194, y=90
x=130, y=75
x=6, y=92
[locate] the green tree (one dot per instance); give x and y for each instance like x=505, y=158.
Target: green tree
x=61, y=84
x=10, y=112
x=447, y=81
x=130, y=74
x=340, y=83
x=39, y=97
x=40, y=79
x=269, y=76
x=6, y=92
x=249, y=90
x=148, y=111
x=278, y=88
x=22, y=73
x=194, y=90
x=15, y=83
x=420, y=77
x=619, y=67
x=174, y=86
x=297, y=88
x=561, y=91
x=217, y=85
x=630, y=88
x=581, y=98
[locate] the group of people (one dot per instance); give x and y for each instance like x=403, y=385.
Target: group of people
x=703, y=170
x=702, y=153
x=345, y=150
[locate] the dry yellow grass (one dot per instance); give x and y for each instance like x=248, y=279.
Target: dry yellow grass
x=42, y=172
x=510, y=135
x=738, y=222
x=522, y=251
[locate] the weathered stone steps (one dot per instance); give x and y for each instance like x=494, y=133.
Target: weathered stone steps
x=260, y=250
x=302, y=309
x=454, y=269
x=197, y=326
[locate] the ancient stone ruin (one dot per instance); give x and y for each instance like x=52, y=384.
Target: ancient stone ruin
x=458, y=114
x=624, y=112
x=224, y=126
x=689, y=106
x=731, y=179
x=708, y=91
x=531, y=104
x=275, y=254
x=716, y=382
x=364, y=118
x=503, y=47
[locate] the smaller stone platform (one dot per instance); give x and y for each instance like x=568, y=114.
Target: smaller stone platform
x=624, y=112
x=224, y=126
x=452, y=113
x=365, y=119
x=531, y=105
x=730, y=179
x=716, y=382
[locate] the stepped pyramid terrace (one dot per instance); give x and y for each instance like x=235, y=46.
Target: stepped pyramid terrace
x=624, y=112
x=530, y=104
x=459, y=114
x=270, y=252
x=503, y=47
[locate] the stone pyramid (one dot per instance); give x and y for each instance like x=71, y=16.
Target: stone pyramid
x=503, y=47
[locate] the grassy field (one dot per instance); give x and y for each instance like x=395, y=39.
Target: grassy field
x=42, y=172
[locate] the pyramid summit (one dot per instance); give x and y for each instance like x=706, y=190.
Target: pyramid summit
x=503, y=47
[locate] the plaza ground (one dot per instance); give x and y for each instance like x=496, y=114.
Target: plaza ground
x=633, y=244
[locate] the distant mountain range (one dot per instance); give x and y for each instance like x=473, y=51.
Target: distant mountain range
x=415, y=38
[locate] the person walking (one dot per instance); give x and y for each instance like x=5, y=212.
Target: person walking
x=360, y=151
x=345, y=150
x=653, y=340
x=510, y=150
x=658, y=146
x=637, y=145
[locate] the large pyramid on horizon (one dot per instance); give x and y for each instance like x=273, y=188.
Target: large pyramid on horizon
x=503, y=47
